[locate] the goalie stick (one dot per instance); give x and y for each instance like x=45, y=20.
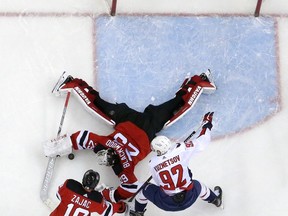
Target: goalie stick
x=149, y=179
x=51, y=163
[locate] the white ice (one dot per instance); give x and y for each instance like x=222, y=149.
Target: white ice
x=41, y=39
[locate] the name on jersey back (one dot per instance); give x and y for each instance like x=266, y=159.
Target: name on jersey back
x=166, y=163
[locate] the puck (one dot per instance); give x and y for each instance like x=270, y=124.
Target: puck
x=71, y=156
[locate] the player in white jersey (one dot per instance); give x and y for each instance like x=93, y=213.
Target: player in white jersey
x=174, y=188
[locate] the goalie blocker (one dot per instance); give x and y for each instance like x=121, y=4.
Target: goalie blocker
x=58, y=147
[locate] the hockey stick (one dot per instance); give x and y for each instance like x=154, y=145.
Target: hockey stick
x=51, y=163
x=149, y=179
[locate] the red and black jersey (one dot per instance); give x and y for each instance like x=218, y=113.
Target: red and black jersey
x=129, y=142
x=75, y=200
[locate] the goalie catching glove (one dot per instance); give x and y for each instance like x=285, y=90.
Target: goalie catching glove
x=58, y=147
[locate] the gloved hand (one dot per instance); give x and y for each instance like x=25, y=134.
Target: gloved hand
x=100, y=187
x=108, y=194
x=207, y=120
x=123, y=208
x=58, y=147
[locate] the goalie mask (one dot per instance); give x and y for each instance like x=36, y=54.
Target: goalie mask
x=90, y=179
x=107, y=157
x=160, y=145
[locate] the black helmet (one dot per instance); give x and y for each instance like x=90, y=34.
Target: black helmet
x=90, y=179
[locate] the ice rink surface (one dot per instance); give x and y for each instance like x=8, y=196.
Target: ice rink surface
x=158, y=52
x=139, y=57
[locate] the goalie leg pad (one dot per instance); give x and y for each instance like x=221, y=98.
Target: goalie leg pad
x=208, y=87
x=190, y=100
x=86, y=95
x=83, y=92
x=190, y=91
x=208, y=84
x=204, y=80
x=58, y=147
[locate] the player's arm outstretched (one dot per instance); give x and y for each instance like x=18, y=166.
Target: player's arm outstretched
x=79, y=140
x=204, y=138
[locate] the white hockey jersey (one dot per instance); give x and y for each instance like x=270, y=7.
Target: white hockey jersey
x=170, y=171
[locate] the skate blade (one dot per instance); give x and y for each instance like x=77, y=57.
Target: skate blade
x=58, y=83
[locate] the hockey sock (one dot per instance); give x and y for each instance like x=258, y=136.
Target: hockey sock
x=139, y=207
x=207, y=194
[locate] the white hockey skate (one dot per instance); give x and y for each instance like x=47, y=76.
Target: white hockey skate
x=64, y=78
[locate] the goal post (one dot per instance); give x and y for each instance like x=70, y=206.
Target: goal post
x=258, y=7
x=111, y=5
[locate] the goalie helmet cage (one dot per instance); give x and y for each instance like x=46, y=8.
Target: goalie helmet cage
x=111, y=4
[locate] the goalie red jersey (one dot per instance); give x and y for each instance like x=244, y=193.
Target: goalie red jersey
x=77, y=201
x=129, y=142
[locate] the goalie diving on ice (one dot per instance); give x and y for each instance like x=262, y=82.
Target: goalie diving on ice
x=133, y=130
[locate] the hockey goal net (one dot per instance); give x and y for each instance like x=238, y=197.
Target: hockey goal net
x=111, y=5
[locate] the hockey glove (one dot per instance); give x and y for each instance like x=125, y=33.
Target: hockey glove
x=58, y=147
x=123, y=209
x=108, y=194
x=207, y=120
x=101, y=187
